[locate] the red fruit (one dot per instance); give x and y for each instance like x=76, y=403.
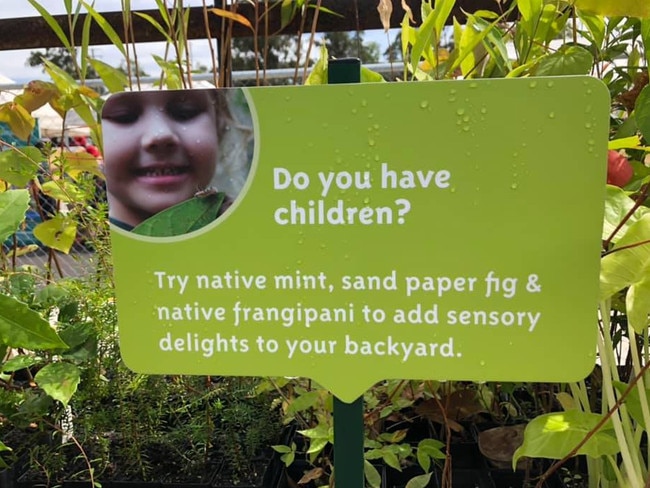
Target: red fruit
x=619, y=169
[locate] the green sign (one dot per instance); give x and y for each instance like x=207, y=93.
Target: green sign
x=445, y=230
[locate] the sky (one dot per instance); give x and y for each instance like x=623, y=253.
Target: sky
x=12, y=63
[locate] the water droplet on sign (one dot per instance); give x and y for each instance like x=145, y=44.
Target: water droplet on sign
x=424, y=104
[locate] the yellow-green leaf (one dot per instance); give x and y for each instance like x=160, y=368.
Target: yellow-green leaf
x=36, y=94
x=80, y=162
x=616, y=8
x=555, y=435
x=627, y=266
x=19, y=119
x=58, y=233
x=318, y=74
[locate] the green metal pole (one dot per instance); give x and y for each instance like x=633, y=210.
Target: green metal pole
x=348, y=417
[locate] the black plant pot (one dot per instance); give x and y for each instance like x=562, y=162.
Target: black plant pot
x=7, y=478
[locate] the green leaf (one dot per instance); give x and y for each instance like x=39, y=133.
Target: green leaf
x=645, y=36
x=52, y=24
x=19, y=167
x=617, y=205
x=567, y=60
x=63, y=190
x=85, y=43
x=321, y=431
x=184, y=217
x=51, y=294
x=317, y=445
x=13, y=205
x=287, y=12
x=633, y=402
x=530, y=10
x=642, y=112
x=281, y=449
x=429, y=449
x=369, y=76
x=59, y=380
x=107, y=28
x=20, y=362
x=114, y=79
x=390, y=458
x=596, y=26
x=554, y=435
x=630, y=267
x=421, y=481
x=58, y=233
x=303, y=402
x=22, y=327
x=81, y=340
x=3, y=447
x=156, y=25
x=318, y=74
x=429, y=31
x=637, y=304
x=372, y=475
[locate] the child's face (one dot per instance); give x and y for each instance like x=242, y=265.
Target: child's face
x=160, y=148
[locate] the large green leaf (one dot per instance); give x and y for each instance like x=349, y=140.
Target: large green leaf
x=58, y=233
x=617, y=205
x=184, y=217
x=567, y=60
x=22, y=327
x=555, y=435
x=18, y=167
x=13, y=205
x=59, y=380
x=630, y=267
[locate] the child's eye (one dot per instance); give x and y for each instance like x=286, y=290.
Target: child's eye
x=182, y=112
x=124, y=115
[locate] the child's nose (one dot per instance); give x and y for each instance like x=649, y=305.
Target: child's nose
x=159, y=134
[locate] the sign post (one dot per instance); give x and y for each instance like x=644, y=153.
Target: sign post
x=348, y=417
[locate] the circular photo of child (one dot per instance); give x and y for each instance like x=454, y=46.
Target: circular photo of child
x=174, y=160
